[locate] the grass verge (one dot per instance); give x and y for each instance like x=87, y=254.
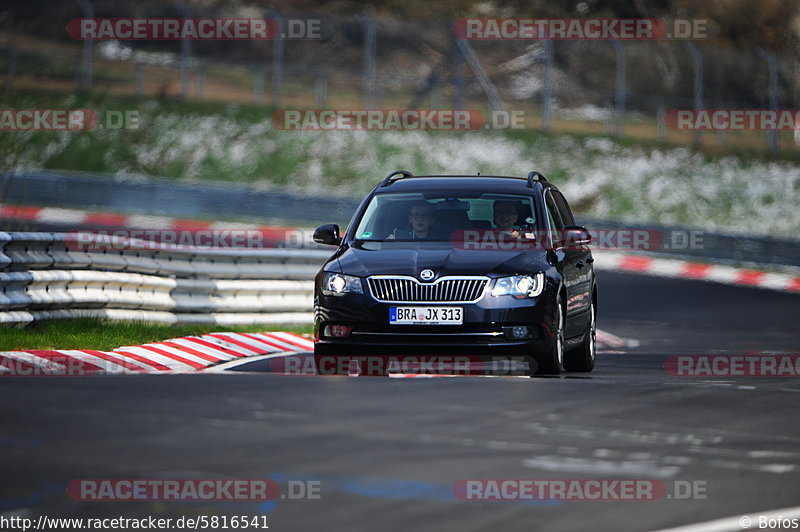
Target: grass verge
x=105, y=336
x=603, y=177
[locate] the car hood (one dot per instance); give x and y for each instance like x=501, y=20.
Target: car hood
x=448, y=261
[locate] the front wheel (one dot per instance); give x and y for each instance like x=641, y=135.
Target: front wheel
x=331, y=360
x=552, y=362
x=327, y=364
x=582, y=358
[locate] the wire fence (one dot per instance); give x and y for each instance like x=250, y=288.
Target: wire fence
x=611, y=87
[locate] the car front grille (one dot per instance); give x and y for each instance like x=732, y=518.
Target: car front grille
x=402, y=289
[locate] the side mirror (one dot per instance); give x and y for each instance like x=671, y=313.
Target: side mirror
x=327, y=234
x=576, y=236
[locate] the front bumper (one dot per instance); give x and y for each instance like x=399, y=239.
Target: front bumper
x=486, y=328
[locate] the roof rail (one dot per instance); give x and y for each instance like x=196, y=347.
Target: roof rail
x=388, y=180
x=532, y=176
x=535, y=175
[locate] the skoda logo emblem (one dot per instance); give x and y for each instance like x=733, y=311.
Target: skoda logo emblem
x=426, y=274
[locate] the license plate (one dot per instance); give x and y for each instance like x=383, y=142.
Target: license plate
x=426, y=315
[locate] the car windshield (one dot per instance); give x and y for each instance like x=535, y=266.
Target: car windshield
x=440, y=217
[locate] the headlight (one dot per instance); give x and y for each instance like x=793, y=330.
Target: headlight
x=519, y=286
x=338, y=284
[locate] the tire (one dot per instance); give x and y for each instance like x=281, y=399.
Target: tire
x=582, y=358
x=552, y=362
x=342, y=360
x=323, y=365
x=326, y=359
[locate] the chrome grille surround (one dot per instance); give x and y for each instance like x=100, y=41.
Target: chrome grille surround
x=407, y=289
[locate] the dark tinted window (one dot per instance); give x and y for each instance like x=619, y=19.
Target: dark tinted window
x=553, y=212
x=563, y=208
x=394, y=216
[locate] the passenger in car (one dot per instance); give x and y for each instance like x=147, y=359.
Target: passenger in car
x=421, y=218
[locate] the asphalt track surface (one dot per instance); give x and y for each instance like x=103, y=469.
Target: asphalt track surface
x=387, y=452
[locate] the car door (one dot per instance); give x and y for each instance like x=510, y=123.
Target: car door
x=576, y=264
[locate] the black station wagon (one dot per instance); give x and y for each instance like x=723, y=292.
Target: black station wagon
x=483, y=266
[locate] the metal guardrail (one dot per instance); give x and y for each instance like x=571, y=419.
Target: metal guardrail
x=48, y=275
x=160, y=196
x=718, y=248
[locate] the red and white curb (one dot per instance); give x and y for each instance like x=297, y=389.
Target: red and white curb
x=682, y=269
x=79, y=218
x=177, y=355
x=215, y=352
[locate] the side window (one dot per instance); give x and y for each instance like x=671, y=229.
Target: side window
x=556, y=223
x=563, y=208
